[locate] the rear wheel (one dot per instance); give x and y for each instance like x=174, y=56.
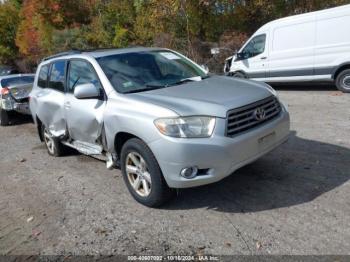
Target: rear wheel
x=4, y=118
x=53, y=145
x=142, y=174
x=343, y=81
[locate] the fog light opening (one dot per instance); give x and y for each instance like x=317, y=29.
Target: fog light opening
x=189, y=172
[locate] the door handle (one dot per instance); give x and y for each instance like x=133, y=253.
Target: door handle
x=67, y=105
x=263, y=57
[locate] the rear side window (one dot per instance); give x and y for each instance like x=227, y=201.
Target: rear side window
x=57, y=76
x=43, y=74
x=22, y=80
x=81, y=72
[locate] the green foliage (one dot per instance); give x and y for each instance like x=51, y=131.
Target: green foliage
x=9, y=16
x=68, y=39
x=121, y=37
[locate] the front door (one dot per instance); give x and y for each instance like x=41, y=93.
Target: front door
x=84, y=116
x=254, y=57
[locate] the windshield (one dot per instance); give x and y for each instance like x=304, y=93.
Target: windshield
x=21, y=80
x=143, y=71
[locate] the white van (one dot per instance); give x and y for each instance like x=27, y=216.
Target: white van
x=308, y=47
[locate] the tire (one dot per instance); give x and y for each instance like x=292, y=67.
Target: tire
x=343, y=81
x=53, y=144
x=239, y=75
x=4, y=118
x=146, y=175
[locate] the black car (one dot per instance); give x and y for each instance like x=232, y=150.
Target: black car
x=8, y=70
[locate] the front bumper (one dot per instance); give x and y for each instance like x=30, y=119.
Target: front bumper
x=219, y=155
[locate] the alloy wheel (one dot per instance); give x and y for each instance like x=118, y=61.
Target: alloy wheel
x=138, y=174
x=346, y=82
x=49, y=141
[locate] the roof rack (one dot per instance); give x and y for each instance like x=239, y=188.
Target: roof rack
x=79, y=51
x=71, y=52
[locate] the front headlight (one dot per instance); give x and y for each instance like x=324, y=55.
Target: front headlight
x=186, y=127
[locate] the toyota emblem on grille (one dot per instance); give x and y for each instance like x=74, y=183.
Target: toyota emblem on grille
x=259, y=114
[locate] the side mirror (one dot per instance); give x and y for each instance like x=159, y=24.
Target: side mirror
x=86, y=91
x=206, y=68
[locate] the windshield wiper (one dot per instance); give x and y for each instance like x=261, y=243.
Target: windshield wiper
x=190, y=79
x=148, y=88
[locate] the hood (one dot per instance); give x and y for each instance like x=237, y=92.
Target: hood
x=213, y=96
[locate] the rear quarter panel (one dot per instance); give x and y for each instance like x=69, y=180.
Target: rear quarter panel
x=48, y=106
x=332, y=38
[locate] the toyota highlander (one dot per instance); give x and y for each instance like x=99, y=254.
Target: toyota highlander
x=160, y=117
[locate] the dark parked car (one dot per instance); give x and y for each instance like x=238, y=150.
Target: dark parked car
x=14, y=95
x=7, y=70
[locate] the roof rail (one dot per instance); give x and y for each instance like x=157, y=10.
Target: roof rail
x=79, y=51
x=101, y=49
x=71, y=52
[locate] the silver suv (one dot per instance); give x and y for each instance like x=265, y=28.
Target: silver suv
x=157, y=115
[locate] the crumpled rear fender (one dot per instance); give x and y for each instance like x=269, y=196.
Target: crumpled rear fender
x=50, y=110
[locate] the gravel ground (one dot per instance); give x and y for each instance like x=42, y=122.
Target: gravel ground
x=295, y=200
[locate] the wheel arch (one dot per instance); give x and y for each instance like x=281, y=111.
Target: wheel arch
x=238, y=71
x=39, y=126
x=339, y=69
x=120, y=139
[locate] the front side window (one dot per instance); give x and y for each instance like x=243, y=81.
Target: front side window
x=57, y=76
x=142, y=71
x=43, y=74
x=256, y=46
x=81, y=72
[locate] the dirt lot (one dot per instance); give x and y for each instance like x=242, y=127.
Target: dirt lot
x=295, y=200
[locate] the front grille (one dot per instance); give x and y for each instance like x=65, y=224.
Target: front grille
x=247, y=117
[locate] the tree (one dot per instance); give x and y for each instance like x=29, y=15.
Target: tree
x=33, y=36
x=112, y=23
x=9, y=17
x=42, y=27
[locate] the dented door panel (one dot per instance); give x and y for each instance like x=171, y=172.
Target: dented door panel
x=84, y=118
x=50, y=111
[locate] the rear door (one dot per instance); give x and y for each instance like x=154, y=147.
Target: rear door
x=49, y=97
x=254, y=57
x=84, y=116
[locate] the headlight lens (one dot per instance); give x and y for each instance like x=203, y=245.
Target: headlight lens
x=186, y=127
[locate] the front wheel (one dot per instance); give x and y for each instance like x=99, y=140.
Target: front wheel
x=4, y=118
x=343, y=81
x=142, y=174
x=53, y=145
x=239, y=75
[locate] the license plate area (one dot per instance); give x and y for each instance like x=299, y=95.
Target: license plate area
x=267, y=139
x=22, y=107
